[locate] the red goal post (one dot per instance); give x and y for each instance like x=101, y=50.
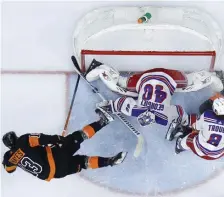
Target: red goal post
x=181, y=38
x=114, y=60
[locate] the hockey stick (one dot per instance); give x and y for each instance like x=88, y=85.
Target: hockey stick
x=139, y=145
x=65, y=132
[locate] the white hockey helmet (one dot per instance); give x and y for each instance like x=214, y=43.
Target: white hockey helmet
x=218, y=106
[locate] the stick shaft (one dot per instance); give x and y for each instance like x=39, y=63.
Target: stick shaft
x=139, y=136
x=64, y=133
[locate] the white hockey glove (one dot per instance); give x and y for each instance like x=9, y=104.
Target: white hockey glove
x=110, y=78
x=146, y=118
x=200, y=80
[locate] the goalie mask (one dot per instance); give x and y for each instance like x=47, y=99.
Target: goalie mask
x=218, y=106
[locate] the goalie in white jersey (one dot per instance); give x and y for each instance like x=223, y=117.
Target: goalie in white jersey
x=205, y=135
x=148, y=94
x=153, y=90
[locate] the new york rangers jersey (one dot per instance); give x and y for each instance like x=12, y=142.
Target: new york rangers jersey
x=210, y=139
x=155, y=87
x=155, y=90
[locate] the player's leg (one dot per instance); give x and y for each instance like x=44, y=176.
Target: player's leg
x=177, y=118
x=129, y=107
x=74, y=140
x=187, y=141
x=78, y=162
x=125, y=105
x=181, y=142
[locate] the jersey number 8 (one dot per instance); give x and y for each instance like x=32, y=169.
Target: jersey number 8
x=214, y=139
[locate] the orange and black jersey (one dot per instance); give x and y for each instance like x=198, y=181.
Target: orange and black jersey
x=33, y=155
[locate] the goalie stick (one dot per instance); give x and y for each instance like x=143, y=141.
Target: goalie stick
x=140, y=142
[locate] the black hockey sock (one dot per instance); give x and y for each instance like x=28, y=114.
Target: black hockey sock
x=103, y=162
x=186, y=130
x=77, y=136
x=96, y=125
x=97, y=162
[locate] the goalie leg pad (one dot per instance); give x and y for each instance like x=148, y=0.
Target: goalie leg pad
x=94, y=74
x=125, y=105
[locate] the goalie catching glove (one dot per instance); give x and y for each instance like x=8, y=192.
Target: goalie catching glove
x=111, y=78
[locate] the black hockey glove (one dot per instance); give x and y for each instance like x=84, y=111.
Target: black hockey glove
x=9, y=167
x=59, y=140
x=207, y=105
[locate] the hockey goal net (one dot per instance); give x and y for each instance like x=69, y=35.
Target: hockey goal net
x=174, y=37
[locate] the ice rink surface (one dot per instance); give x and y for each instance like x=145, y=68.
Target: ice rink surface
x=35, y=100
x=158, y=169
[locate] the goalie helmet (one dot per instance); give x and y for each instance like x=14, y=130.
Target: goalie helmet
x=9, y=139
x=218, y=106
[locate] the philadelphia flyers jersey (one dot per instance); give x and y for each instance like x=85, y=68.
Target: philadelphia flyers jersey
x=33, y=155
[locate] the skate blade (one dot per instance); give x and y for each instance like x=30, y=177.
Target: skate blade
x=168, y=135
x=99, y=111
x=171, y=128
x=123, y=156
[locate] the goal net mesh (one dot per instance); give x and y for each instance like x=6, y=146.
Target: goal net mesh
x=174, y=37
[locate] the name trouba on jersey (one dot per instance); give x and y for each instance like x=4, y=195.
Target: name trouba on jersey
x=216, y=128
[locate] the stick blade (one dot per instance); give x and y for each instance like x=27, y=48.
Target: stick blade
x=74, y=60
x=139, y=146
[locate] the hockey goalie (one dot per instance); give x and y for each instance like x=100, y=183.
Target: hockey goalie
x=147, y=95
x=204, y=135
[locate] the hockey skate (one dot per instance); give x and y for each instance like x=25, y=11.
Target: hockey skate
x=105, y=118
x=117, y=159
x=106, y=106
x=174, y=131
x=178, y=147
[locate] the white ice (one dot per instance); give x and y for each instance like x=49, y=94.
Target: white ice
x=158, y=169
x=39, y=37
